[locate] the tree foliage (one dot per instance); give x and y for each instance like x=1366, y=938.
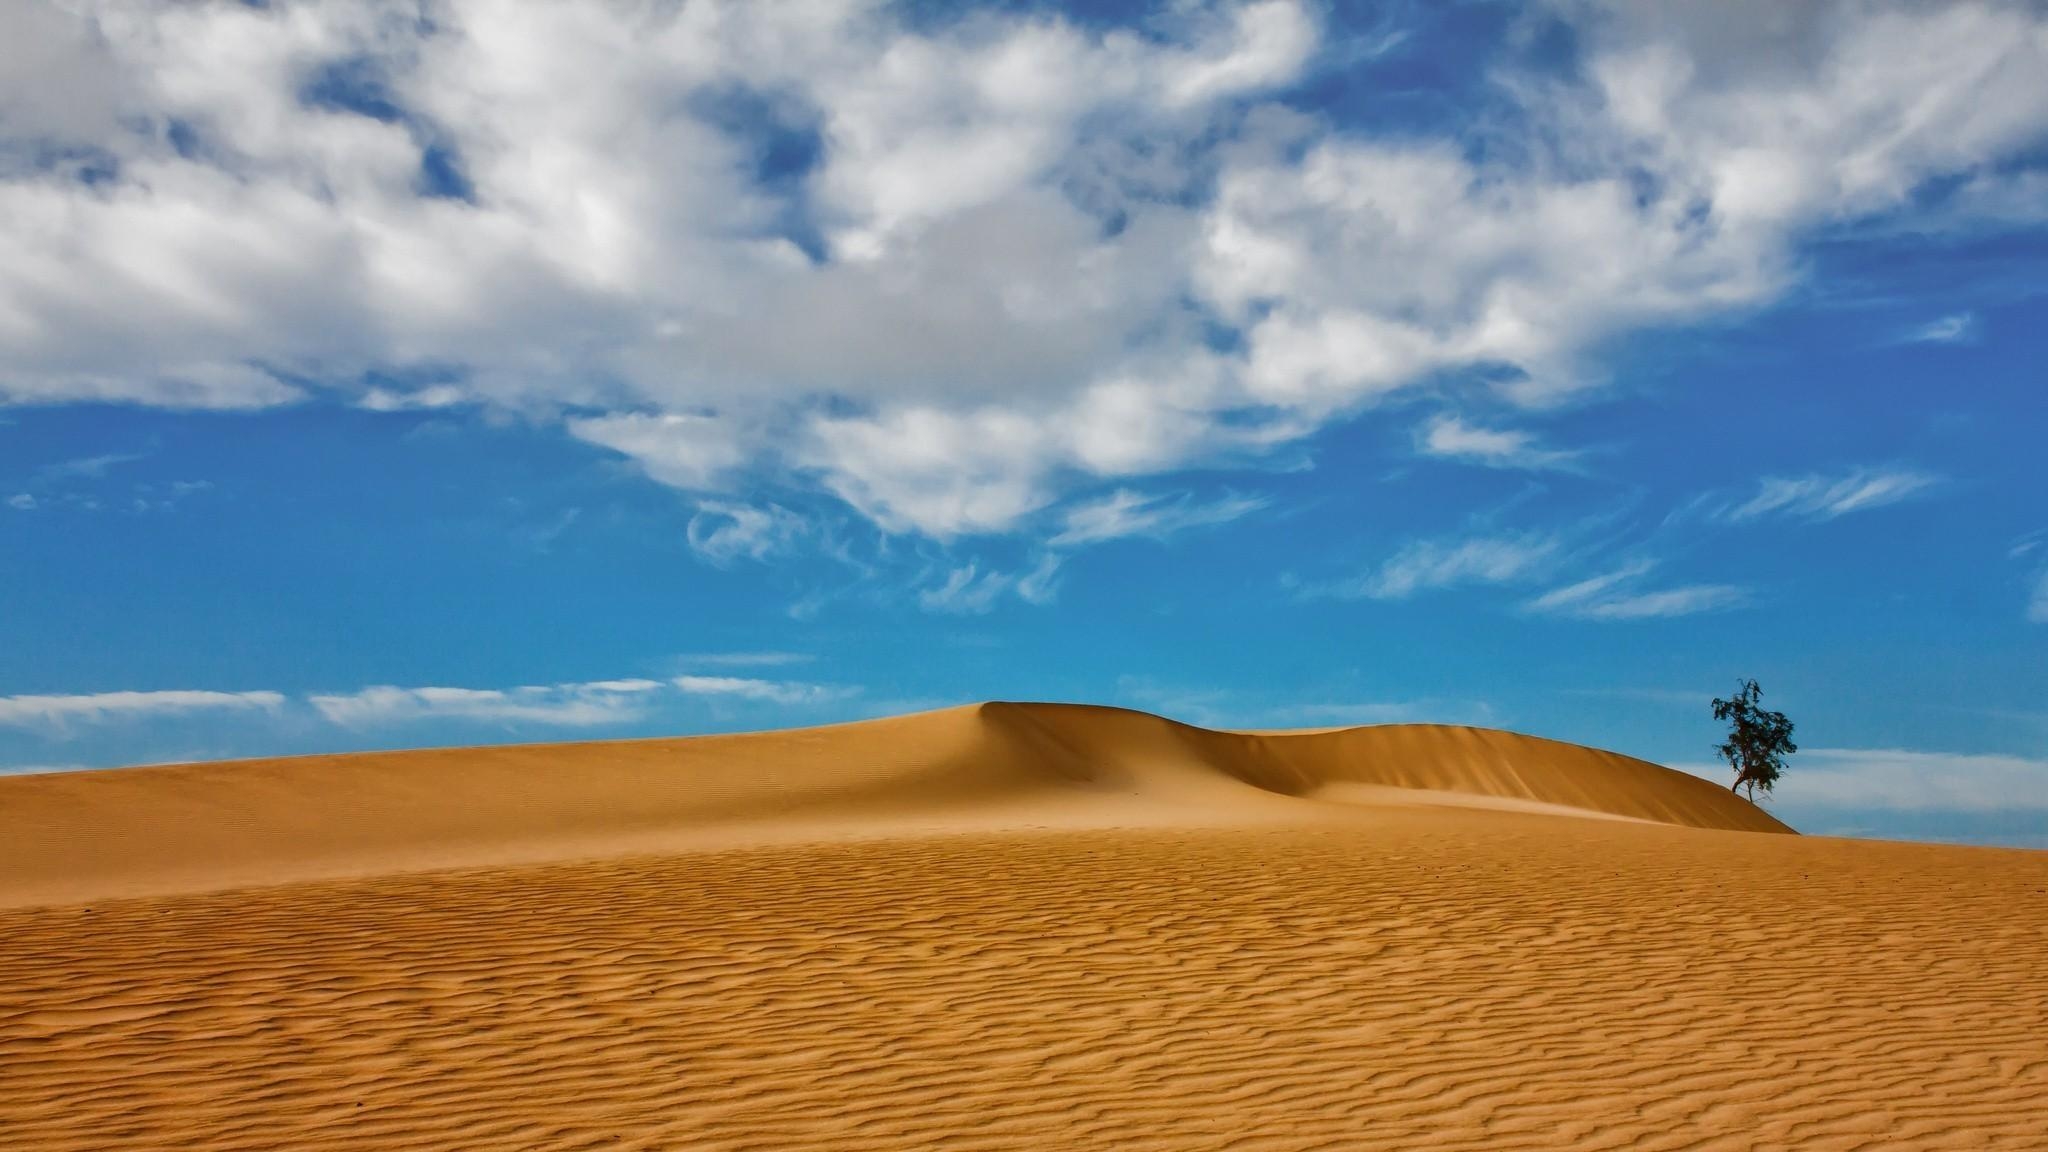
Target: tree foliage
x=1758, y=739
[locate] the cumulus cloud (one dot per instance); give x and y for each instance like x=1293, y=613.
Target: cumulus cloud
x=428, y=399
x=1449, y=437
x=680, y=449
x=1618, y=595
x=1819, y=497
x=62, y=711
x=950, y=273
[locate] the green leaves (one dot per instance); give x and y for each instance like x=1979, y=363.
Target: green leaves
x=1758, y=739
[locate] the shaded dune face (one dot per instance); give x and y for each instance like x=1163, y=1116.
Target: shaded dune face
x=201, y=826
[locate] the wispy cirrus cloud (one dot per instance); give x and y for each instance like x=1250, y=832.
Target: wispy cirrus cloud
x=569, y=705
x=1255, y=709
x=971, y=590
x=1423, y=565
x=770, y=691
x=1955, y=328
x=101, y=707
x=767, y=658
x=723, y=531
x=582, y=704
x=86, y=467
x=1818, y=496
x=577, y=705
x=1619, y=595
x=1126, y=513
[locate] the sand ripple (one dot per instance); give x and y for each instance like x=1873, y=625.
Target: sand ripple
x=1435, y=978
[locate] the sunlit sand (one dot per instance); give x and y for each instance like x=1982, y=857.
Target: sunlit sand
x=1005, y=925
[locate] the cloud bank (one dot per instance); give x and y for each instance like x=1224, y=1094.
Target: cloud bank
x=575, y=705
x=949, y=272
x=101, y=707
x=1895, y=780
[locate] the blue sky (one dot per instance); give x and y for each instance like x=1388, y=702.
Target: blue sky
x=378, y=375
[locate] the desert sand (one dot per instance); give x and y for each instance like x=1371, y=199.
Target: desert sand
x=999, y=926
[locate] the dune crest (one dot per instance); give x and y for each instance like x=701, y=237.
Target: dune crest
x=196, y=827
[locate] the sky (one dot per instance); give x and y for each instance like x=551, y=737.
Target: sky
x=379, y=375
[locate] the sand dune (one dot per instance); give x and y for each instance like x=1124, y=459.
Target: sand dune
x=76, y=836
x=999, y=926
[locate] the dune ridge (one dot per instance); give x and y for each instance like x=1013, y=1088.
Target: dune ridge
x=192, y=827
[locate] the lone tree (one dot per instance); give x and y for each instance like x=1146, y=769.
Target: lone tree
x=1758, y=740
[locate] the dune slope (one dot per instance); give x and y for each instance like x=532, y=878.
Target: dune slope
x=1007, y=926
x=76, y=836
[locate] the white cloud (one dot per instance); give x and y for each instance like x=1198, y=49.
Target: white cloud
x=41, y=769
x=85, y=467
x=929, y=470
x=769, y=691
x=428, y=399
x=1355, y=713
x=2037, y=608
x=1958, y=328
x=723, y=531
x=1818, y=497
x=63, y=711
x=1217, y=708
x=762, y=659
x=1891, y=779
x=1615, y=596
x=683, y=450
x=970, y=590
x=569, y=705
x=991, y=290
x=1125, y=513
x=1685, y=600
x=1452, y=438
x=1426, y=564
x=584, y=704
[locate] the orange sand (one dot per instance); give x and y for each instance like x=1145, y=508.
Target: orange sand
x=1004, y=926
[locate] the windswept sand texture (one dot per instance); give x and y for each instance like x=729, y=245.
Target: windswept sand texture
x=1007, y=926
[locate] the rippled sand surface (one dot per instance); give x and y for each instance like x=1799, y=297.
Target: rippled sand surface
x=999, y=927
